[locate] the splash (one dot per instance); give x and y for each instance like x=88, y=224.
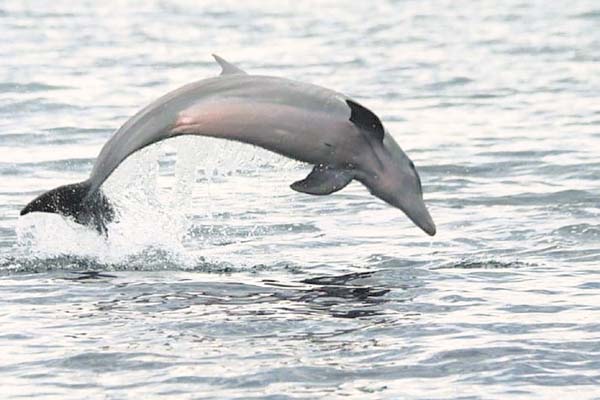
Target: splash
x=153, y=193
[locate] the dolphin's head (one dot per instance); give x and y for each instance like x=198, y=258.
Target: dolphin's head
x=394, y=179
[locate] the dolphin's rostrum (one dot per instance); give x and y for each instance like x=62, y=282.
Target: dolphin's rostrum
x=341, y=138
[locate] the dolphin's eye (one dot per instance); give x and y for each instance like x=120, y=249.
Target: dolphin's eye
x=412, y=165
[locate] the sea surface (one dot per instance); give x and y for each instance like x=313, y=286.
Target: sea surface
x=218, y=281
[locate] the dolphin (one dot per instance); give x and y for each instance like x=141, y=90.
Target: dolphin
x=344, y=141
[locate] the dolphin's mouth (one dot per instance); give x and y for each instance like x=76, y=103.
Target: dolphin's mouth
x=419, y=215
x=414, y=207
x=427, y=225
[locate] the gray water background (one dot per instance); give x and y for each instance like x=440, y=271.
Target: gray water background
x=238, y=287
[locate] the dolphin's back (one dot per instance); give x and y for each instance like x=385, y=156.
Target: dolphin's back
x=155, y=122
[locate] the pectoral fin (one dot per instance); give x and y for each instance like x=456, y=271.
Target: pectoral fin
x=323, y=180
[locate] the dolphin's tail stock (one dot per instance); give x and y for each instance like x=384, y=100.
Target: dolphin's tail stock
x=76, y=201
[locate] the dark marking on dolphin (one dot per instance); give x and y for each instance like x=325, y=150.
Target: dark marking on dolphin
x=366, y=120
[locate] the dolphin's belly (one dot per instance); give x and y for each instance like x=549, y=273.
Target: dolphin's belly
x=304, y=135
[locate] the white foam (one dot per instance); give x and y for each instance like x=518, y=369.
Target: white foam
x=153, y=202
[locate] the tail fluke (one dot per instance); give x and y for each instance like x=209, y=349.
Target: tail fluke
x=75, y=201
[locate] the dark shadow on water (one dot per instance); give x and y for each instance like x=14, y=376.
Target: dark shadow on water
x=484, y=264
x=341, y=296
x=88, y=275
x=256, y=292
x=325, y=293
x=339, y=279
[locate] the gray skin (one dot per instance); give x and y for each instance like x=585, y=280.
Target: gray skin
x=308, y=123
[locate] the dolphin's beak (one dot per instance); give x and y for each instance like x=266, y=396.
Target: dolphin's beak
x=426, y=223
x=417, y=212
x=413, y=206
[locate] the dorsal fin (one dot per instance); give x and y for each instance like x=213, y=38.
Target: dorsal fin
x=366, y=120
x=228, y=68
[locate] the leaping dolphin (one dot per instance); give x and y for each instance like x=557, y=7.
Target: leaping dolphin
x=341, y=138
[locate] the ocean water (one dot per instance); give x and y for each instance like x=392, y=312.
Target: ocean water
x=218, y=281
